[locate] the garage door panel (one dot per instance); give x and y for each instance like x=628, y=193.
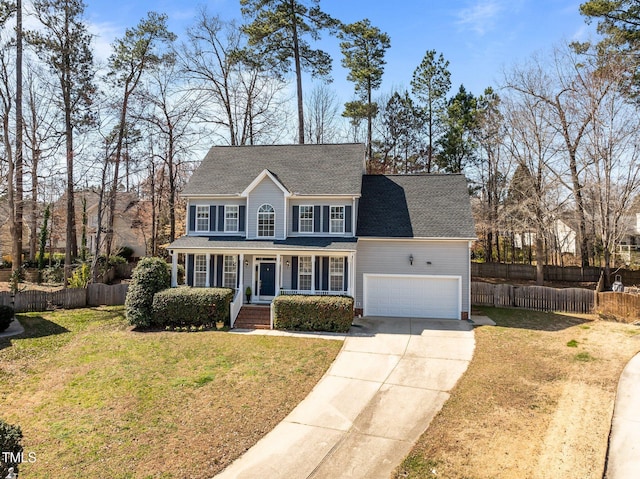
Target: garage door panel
x=412, y=296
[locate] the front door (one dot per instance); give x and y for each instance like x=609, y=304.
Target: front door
x=267, y=279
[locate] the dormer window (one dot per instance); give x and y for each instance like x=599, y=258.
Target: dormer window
x=336, y=224
x=266, y=221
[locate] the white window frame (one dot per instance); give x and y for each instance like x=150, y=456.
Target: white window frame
x=334, y=222
x=200, y=265
x=260, y=218
x=305, y=269
x=336, y=270
x=202, y=213
x=231, y=214
x=307, y=220
x=230, y=271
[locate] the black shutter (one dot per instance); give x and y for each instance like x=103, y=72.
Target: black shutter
x=294, y=272
x=325, y=273
x=242, y=212
x=192, y=217
x=316, y=219
x=325, y=219
x=221, y=218
x=190, y=268
x=212, y=269
x=346, y=274
x=212, y=218
x=220, y=260
x=294, y=220
x=316, y=280
x=347, y=219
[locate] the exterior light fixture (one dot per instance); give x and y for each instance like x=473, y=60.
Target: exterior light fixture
x=288, y=264
x=411, y=259
x=246, y=262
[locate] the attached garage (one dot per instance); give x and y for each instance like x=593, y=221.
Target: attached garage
x=417, y=296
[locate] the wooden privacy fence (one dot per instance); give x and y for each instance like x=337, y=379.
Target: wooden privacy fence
x=93, y=295
x=539, y=298
x=551, y=273
x=621, y=305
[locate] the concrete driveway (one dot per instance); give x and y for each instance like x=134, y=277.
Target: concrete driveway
x=389, y=380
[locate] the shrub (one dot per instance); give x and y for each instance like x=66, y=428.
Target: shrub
x=150, y=276
x=53, y=274
x=313, y=313
x=125, y=252
x=81, y=276
x=6, y=316
x=186, y=306
x=10, y=438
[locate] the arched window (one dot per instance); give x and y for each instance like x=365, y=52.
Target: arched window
x=266, y=221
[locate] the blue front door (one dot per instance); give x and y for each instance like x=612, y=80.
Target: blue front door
x=267, y=279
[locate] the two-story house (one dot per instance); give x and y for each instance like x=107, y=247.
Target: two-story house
x=306, y=219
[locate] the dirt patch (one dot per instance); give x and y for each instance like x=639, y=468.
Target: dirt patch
x=536, y=401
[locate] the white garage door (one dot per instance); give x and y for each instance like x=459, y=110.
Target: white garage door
x=412, y=296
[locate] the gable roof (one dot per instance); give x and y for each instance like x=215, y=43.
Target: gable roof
x=415, y=206
x=301, y=169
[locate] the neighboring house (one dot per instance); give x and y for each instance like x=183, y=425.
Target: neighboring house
x=306, y=219
x=131, y=223
x=630, y=238
x=559, y=238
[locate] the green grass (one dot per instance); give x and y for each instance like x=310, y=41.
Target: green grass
x=572, y=344
x=95, y=399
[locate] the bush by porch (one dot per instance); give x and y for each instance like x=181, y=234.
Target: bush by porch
x=313, y=313
x=185, y=306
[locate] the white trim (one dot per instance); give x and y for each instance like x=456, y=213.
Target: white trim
x=258, y=180
x=366, y=276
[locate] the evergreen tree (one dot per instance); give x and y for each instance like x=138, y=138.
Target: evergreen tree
x=277, y=30
x=363, y=47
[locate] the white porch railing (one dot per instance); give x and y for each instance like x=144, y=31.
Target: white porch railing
x=234, y=307
x=311, y=293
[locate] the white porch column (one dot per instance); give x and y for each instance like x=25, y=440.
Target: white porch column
x=241, y=273
x=313, y=274
x=209, y=272
x=278, y=271
x=352, y=275
x=174, y=269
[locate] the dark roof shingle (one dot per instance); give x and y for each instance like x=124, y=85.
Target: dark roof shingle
x=415, y=206
x=302, y=169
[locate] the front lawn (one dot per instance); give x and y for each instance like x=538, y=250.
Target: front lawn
x=95, y=399
x=535, y=403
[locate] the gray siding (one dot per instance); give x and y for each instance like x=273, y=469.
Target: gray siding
x=267, y=192
x=392, y=257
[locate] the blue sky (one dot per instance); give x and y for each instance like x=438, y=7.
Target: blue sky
x=478, y=37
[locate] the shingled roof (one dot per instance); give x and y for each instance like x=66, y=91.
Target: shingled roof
x=415, y=206
x=301, y=169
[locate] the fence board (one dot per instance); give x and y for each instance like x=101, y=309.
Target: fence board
x=621, y=305
x=95, y=295
x=539, y=298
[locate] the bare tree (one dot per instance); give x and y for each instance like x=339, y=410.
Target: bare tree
x=322, y=112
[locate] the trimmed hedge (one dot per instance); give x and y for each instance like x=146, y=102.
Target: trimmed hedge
x=10, y=442
x=6, y=316
x=313, y=313
x=150, y=276
x=186, y=306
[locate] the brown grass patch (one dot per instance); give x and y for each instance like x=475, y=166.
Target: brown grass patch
x=529, y=406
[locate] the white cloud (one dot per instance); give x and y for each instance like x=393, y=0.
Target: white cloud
x=481, y=16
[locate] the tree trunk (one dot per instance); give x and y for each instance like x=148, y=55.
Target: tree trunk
x=19, y=198
x=296, y=57
x=539, y=258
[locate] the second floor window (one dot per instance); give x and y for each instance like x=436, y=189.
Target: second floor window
x=305, y=219
x=266, y=221
x=336, y=224
x=231, y=219
x=202, y=218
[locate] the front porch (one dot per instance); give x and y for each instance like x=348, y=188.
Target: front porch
x=264, y=276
